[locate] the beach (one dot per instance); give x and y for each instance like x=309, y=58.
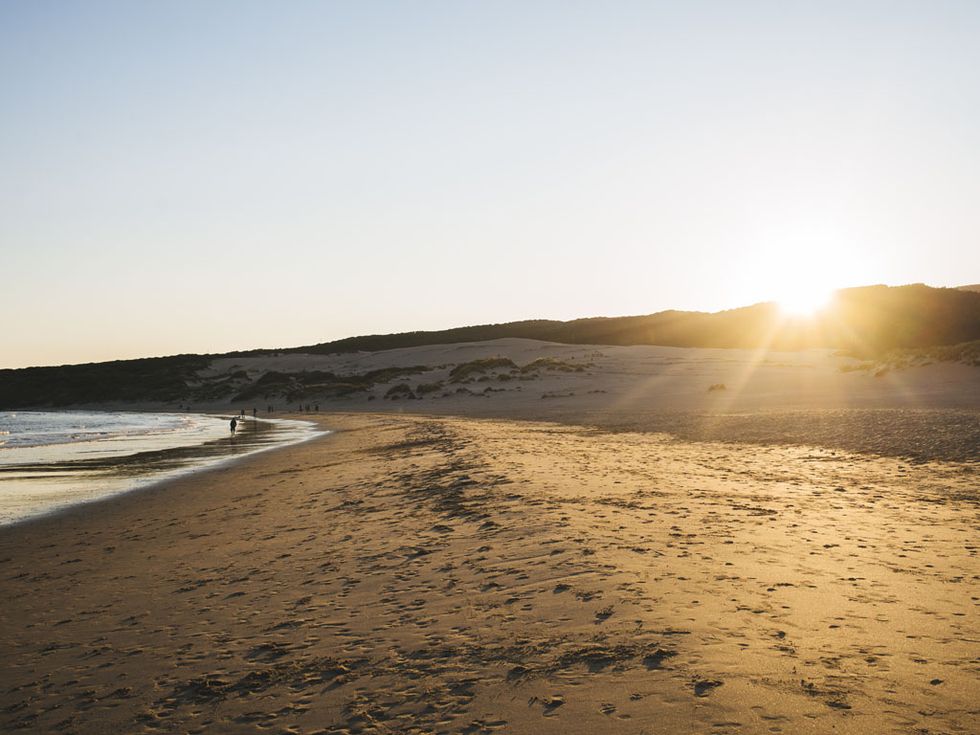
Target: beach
x=490, y=368
x=421, y=573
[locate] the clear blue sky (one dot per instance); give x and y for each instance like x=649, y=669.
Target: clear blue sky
x=206, y=176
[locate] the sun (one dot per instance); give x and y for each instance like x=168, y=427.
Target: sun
x=804, y=299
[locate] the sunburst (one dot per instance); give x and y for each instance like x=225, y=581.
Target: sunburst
x=804, y=299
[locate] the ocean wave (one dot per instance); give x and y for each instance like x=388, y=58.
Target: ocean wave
x=137, y=449
x=42, y=428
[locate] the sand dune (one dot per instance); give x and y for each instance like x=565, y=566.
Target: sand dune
x=924, y=410
x=430, y=574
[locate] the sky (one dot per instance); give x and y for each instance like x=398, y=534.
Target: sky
x=199, y=177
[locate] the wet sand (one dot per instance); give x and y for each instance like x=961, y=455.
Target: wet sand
x=36, y=480
x=437, y=574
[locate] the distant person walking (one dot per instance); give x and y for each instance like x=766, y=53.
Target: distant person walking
x=234, y=425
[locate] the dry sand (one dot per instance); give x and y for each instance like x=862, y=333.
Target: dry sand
x=438, y=574
x=616, y=379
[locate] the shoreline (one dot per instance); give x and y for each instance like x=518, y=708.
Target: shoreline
x=38, y=489
x=921, y=410
x=791, y=425
x=447, y=574
x=80, y=511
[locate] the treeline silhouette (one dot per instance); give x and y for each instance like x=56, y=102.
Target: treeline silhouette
x=149, y=379
x=865, y=322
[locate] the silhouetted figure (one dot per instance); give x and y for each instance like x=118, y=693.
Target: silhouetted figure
x=316, y=407
x=254, y=412
x=234, y=425
x=242, y=414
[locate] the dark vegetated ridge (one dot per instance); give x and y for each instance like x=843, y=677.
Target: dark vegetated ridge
x=864, y=320
x=868, y=322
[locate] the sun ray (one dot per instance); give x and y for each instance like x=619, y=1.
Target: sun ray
x=804, y=299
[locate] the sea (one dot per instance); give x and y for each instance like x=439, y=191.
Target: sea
x=50, y=460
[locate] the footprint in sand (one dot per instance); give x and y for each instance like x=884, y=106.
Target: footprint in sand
x=656, y=659
x=703, y=687
x=603, y=615
x=552, y=703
